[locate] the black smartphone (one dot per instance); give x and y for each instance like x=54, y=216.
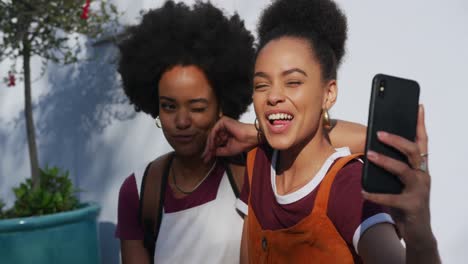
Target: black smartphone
x=393, y=108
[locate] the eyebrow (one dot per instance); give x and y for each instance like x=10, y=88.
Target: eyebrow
x=287, y=72
x=294, y=70
x=261, y=74
x=166, y=98
x=198, y=100
x=192, y=101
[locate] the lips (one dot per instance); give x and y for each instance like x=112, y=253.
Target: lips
x=279, y=121
x=184, y=138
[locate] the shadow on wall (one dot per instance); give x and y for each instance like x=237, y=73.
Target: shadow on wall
x=84, y=99
x=110, y=249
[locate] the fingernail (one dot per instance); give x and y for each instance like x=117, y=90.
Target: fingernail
x=372, y=155
x=382, y=134
x=421, y=108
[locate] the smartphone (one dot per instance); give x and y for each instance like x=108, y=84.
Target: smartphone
x=393, y=108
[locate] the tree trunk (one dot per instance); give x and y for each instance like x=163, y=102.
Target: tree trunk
x=28, y=112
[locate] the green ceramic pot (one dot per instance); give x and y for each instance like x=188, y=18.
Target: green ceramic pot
x=69, y=237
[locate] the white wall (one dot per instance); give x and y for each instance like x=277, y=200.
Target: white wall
x=84, y=126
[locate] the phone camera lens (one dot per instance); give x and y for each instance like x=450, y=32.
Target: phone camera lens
x=381, y=88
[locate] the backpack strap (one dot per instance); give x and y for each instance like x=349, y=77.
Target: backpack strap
x=153, y=190
x=236, y=189
x=235, y=173
x=147, y=199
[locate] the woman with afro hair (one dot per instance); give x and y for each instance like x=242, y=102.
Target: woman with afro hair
x=302, y=199
x=187, y=67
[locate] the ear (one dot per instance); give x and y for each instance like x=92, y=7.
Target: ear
x=330, y=94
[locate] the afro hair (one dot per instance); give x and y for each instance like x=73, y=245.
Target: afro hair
x=176, y=34
x=320, y=22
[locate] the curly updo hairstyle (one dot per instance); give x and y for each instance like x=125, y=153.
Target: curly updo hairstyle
x=320, y=22
x=203, y=36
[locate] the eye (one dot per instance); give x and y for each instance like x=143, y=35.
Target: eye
x=168, y=107
x=260, y=86
x=293, y=83
x=199, y=109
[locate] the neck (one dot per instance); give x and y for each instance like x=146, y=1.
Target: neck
x=191, y=168
x=189, y=162
x=299, y=164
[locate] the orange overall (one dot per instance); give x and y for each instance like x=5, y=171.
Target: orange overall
x=313, y=240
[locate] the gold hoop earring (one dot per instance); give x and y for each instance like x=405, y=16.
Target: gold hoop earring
x=259, y=131
x=326, y=120
x=158, y=122
x=257, y=126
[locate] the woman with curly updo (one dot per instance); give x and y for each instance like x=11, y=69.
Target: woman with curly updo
x=187, y=67
x=302, y=197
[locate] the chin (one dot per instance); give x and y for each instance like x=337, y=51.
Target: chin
x=187, y=149
x=279, y=142
x=187, y=153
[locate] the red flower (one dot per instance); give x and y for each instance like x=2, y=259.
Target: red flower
x=11, y=79
x=85, y=13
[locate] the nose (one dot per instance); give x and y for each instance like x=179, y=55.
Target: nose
x=183, y=119
x=276, y=95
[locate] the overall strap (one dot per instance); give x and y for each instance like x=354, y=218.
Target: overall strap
x=321, y=202
x=153, y=190
x=250, y=164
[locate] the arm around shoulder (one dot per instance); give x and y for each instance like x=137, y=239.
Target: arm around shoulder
x=348, y=134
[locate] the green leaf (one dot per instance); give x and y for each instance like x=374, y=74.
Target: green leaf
x=56, y=194
x=20, y=191
x=46, y=199
x=58, y=199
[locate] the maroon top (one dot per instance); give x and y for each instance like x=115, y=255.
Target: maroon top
x=347, y=209
x=128, y=225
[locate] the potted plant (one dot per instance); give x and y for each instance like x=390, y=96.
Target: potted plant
x=47, y=224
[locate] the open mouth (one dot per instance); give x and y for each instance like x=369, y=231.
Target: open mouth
x=280, y=119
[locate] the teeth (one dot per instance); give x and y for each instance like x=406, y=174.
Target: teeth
x=278, y=116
